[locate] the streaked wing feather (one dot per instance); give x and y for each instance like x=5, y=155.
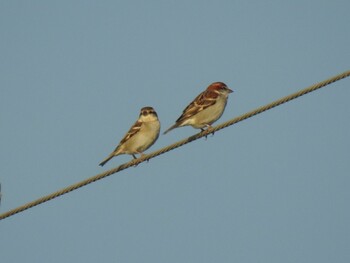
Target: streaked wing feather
x=201, y=102
x=133, y=130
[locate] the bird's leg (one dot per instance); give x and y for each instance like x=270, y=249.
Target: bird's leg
x=203, y=130
x=142, y=155
x=208, y=127
x=133, y=155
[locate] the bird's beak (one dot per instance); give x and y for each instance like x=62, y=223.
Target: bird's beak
x=229, y=90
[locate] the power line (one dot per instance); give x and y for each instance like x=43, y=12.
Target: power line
x=174, y=145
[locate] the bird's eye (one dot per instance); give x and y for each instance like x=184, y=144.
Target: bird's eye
x=144, y=113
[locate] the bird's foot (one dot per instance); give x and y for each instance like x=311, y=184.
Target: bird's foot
x=207, y=130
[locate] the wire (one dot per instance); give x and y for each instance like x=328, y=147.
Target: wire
x=174, y=145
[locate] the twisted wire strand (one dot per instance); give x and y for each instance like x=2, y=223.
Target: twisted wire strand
x=174, y=145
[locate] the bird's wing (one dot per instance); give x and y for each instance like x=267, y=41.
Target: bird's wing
x=133, y=130
x=201, y=102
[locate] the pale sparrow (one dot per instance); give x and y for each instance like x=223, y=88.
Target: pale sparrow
x=140, y=137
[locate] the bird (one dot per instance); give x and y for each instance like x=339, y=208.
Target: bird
x=141, y=136
x=205, y=109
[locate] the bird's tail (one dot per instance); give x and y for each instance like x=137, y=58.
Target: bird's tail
x=106, y=160
x=171, y=128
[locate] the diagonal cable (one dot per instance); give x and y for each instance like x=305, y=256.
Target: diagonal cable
x=175, y=145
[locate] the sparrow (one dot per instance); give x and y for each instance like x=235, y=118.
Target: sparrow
x=205, y=109
x=140, y=137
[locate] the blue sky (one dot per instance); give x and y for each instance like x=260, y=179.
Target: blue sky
x=274, y=188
